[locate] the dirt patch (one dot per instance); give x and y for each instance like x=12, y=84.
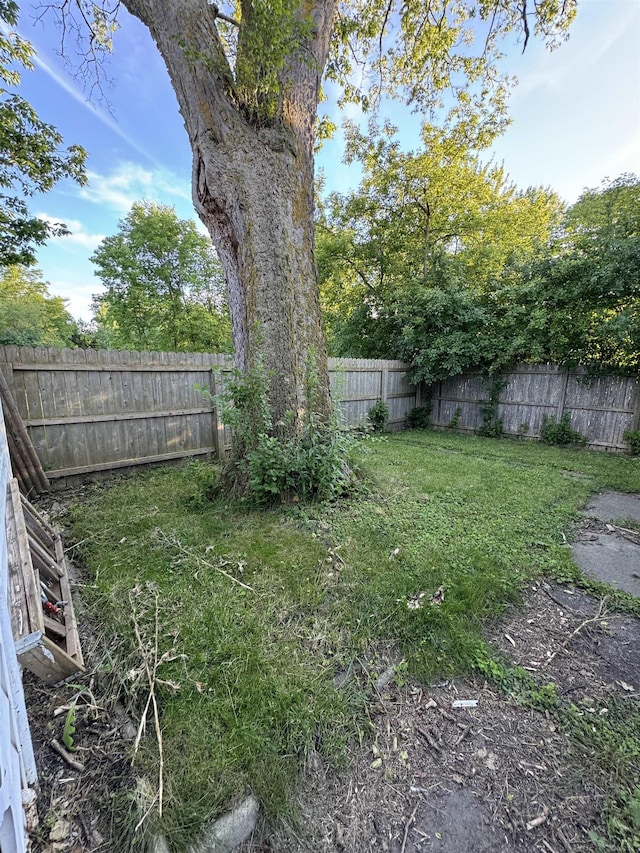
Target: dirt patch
x=494, y=778
x=79, y=809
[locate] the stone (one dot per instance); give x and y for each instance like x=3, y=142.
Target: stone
x=230, y=830
x=159, y=844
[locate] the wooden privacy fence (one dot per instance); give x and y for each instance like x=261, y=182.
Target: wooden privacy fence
x=98, y=410
x=601, y=408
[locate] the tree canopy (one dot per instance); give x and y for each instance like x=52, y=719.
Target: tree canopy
x=29, y=315
x=420, y=222
x=515, y=278
x=31, y=157
x=164, y=285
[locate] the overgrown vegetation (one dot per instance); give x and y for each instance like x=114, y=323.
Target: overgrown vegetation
x=560, y=432
x=315, y=461
x=460, y=273
x=633, y=437
x=420, y=417
x=261, y=609
x=491, y=423
x=378, y=416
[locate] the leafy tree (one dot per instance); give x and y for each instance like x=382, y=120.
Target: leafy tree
x=29, y=315
x=31, y=158
x=580, y=304
x=164, y=285
x=429, y=228
x=248, y=86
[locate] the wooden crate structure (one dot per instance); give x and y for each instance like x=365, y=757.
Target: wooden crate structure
x=47, y=644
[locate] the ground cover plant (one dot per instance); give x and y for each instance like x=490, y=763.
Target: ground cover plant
x=259, y=611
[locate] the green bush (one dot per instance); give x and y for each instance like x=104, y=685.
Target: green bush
x=314, y=462
x=378, y=415
x=560, y=432
x=633, y=437
x=455, y=420
x=419, y=418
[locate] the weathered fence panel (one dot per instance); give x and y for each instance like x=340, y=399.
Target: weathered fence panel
x=601, y=408
x=89, y=411
x=17, y=765
x=357, y=383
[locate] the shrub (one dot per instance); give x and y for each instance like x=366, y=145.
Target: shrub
x=633, y=437
x=455, y=420
x=560, y=432
x=378, y=415
x=315, y=462
x=419, y=418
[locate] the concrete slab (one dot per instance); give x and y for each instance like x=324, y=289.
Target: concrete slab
x=609, y=506
x=610, y=559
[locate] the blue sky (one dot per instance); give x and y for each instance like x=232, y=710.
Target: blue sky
x=576, y=120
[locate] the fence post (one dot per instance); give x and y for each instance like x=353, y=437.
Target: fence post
x=635, y=418
x=218, y=426
x=384, y=383
x=563, y=394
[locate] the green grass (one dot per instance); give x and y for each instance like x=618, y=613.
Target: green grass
x=475, y=516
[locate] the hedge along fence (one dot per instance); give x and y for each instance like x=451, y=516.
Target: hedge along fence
x=601, y=408
x=98, y=410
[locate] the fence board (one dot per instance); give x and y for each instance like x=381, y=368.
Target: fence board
x=96, y=410
x=601, y=408
x=89, y=410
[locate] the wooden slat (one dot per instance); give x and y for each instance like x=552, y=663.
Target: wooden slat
x=71, y=625
x=26, y=607
x=113, y=368
x=126, y=416
x=130, y=463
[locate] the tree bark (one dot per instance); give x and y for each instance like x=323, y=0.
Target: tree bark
x=253, y=188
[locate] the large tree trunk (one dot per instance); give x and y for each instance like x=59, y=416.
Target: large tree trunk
x=253, y=189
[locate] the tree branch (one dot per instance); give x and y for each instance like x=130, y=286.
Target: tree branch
x=525, y=24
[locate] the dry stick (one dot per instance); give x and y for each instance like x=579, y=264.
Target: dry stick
x=190, y=553
x=151, y=678
x=538, y=821
x=71, y=761
x=408, y=827
x=429, y=739
x=459, y=740
x=597, y=618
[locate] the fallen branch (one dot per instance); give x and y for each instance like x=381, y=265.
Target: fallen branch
x=172, y=542
x=600, y=615
x=71, y=761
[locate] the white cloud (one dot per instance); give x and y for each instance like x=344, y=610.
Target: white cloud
x=584, y=50
x=65, y=83
x=77, y=293
x=79, y=236
x=130, y=182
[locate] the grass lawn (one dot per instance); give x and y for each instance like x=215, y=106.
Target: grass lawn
x=247, y=684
